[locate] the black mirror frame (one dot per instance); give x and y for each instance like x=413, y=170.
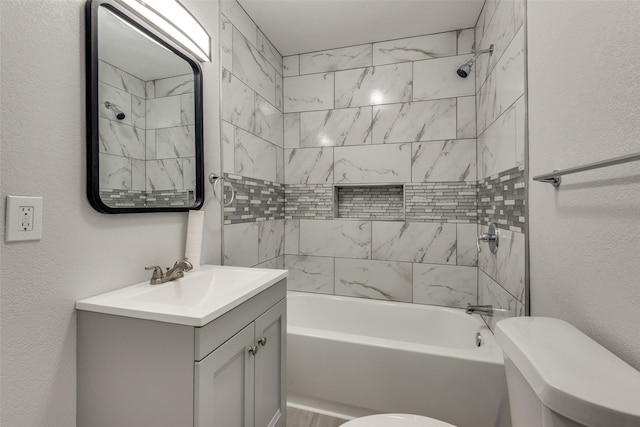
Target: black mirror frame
x=93, y=148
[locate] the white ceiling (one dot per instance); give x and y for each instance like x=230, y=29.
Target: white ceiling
x=299, y=26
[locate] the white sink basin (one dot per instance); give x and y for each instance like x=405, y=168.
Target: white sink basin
x=195, y=300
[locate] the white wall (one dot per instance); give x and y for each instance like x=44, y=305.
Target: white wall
x=82, y=252
x=584, y=106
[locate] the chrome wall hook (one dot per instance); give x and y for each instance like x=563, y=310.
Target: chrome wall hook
x=214, y=179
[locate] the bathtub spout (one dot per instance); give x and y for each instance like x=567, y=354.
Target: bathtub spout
x=487, y=310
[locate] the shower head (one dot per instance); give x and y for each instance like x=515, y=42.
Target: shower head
x=113, y=107
x=465, y=69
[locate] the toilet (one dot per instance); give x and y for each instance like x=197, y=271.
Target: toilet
x=556, y=377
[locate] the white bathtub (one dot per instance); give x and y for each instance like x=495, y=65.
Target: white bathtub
x=353, y=357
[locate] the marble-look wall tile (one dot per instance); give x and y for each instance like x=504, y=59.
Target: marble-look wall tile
x=446, y=285
x=270, y=239
x=382, y=280
x=415, y=48
x=121, y=139
x=189, y=173
x=373, y=85
x=150, y=89
x=466, y=41
x=138, y=172
x=308, y=93
x=268, y=122
x=414, y=121
x=175, y=142
x=521, y=130
x=254, y=157
x=291, y=236
x=510, y=75
x=372, y=163
x=120, y=79
x=490, y=293
x=138, y=112
x=150, y=144
x=165, y=174
x=336, y=59
x=309, y=273
x=250, y=67
x=466, y=123
x=238, y=105
x=350, y=126
x=269, y=51
x=348, y=239
x=292, y=130
x=240, y=19
x=226, y=43
x=443, y=161
x=115, y=172
x=466, y=250
x=228, y=142
x=510, y=263
x=437, y=79
x=308, y=166
x=187, y=109
x=163, y=112
x=117, y=97
x=241, y=244
x=279, y=92
x=279, y=165
x=499, y=33
x=291, y=65
x=177, y=85
x=414, y=242
x=497, y=146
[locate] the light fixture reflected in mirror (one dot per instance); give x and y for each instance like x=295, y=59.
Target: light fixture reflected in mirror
x=174, y=20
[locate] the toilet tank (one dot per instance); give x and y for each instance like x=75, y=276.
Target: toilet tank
x=559, y=377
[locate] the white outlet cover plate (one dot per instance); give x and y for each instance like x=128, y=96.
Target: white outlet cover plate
x=13, y=232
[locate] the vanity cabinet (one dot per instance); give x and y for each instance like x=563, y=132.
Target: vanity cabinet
x=227, y=373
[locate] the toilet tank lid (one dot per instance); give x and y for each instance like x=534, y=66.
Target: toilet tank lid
x=571, y=373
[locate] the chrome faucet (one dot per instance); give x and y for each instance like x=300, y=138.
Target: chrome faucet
x=173, y=273
x=487, y=310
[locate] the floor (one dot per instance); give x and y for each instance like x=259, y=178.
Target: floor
x=300, y=418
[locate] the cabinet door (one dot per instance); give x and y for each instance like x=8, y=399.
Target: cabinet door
x=225, y=384
x=270, y=396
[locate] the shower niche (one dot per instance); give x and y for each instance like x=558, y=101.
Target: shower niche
x=383, y=202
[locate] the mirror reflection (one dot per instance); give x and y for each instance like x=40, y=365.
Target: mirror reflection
x=146, y=120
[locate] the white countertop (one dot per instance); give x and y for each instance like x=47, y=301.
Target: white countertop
x=195, y=300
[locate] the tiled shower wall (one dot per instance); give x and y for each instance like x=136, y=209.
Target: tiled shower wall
x=252, y=141
x=370, y=119
x=501, y=154
x=149, y=155
x=370, y=116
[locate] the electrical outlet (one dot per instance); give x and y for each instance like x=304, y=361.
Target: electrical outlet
x=23, y=218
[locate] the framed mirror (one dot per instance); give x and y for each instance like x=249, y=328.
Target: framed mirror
x=144, y=116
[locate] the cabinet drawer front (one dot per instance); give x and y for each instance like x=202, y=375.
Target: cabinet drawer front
x=214, y=334
x=224, y=384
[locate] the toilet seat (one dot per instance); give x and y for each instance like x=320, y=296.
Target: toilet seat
x=396, y=420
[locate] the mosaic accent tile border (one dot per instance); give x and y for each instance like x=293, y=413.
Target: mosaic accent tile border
x=256, y=200
x=377, y=202
x=442, y=202
x=309, y=201
x=146, y=199
x=502, y=200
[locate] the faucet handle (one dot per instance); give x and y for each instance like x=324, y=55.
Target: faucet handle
x=157, y=272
